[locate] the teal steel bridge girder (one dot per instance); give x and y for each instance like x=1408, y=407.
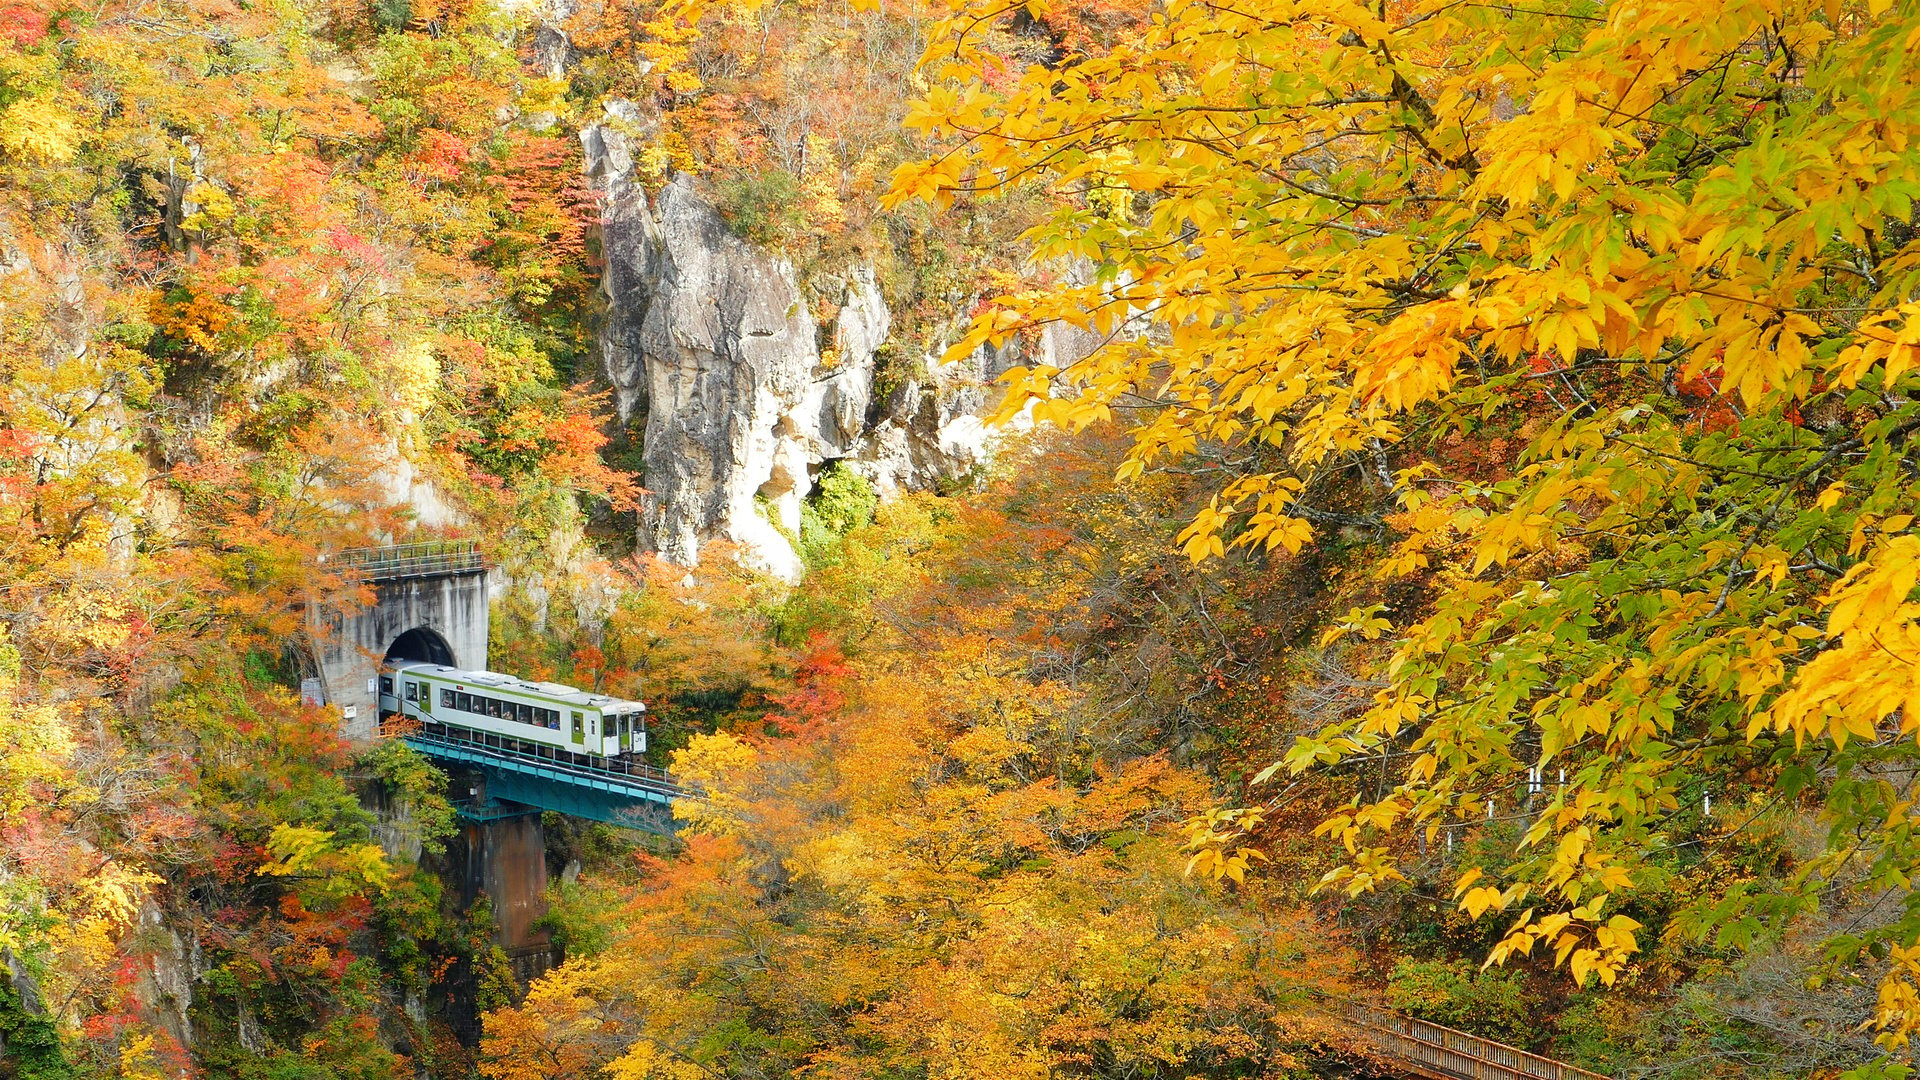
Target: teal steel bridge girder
x=612, y=798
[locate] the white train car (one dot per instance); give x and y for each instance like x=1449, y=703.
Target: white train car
x=537, y=714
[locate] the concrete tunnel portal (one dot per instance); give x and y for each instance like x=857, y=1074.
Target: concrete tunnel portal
x=422, y=644
x=430, y=607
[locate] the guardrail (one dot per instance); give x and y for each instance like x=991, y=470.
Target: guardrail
x=428, y=558
x=1442, y=1052
x=608, y=773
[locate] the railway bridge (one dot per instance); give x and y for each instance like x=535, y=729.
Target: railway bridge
x=509, y=782
x=430, y=604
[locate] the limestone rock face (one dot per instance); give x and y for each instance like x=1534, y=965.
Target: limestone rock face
x=710, y=341
x=167, y=967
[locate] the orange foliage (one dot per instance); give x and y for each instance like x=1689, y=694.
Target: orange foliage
x=950, y=855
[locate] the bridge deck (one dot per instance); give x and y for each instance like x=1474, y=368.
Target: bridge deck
x=619, y=793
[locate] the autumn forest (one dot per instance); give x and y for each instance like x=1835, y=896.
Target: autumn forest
x=1158, y=539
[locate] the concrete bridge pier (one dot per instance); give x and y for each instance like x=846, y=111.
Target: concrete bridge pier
x=505, y=859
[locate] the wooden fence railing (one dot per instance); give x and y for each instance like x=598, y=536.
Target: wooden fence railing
x=1443, y=1053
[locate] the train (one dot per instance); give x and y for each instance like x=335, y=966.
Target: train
x=535, y=714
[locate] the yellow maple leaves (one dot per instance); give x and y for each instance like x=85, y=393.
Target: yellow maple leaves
x=303, y=851
x=718, y=766
x=1580, y=939
x=1217, y=841
x=34, y=127
x=563, y=1029
x=71, y=928
x=1872, y=672
x=1692, y=303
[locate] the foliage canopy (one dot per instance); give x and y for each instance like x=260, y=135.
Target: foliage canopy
x=1668, y=248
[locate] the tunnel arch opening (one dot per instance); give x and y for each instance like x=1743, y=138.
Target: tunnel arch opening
x=421, y=644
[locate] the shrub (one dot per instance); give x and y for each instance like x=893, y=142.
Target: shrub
x=763, y=207
x=842, y=502
x=1454, y=993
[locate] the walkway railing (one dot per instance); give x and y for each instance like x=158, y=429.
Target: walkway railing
x=1431, y=1050
x=429, y=558
x=601, y=772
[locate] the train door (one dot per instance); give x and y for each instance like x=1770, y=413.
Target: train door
x=579, y=729
x=626, y=733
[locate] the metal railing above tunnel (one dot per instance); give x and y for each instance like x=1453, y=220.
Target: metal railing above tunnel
x=427, y=558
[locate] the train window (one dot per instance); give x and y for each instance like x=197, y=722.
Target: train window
x=493, y=707
x=446, y=698
x=551, y=719
x=463, y=701
x=523, y=712
x=386, y=684
x=412, y=691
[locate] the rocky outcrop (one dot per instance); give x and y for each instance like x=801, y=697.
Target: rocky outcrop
x=745, y=397
x=167, y=965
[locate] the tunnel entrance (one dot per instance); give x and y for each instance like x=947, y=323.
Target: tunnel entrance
x=423, y=645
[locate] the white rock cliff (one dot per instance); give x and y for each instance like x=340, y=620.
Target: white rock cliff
x=708, y=338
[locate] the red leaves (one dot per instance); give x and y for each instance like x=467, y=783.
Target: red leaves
x=16, y=450
x=547, y=196
x=442, y=156
x=590, y=664
x=22, y=25
x=563, y=441
x=818, y=693
x=1707, y=405
x=355, y=248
